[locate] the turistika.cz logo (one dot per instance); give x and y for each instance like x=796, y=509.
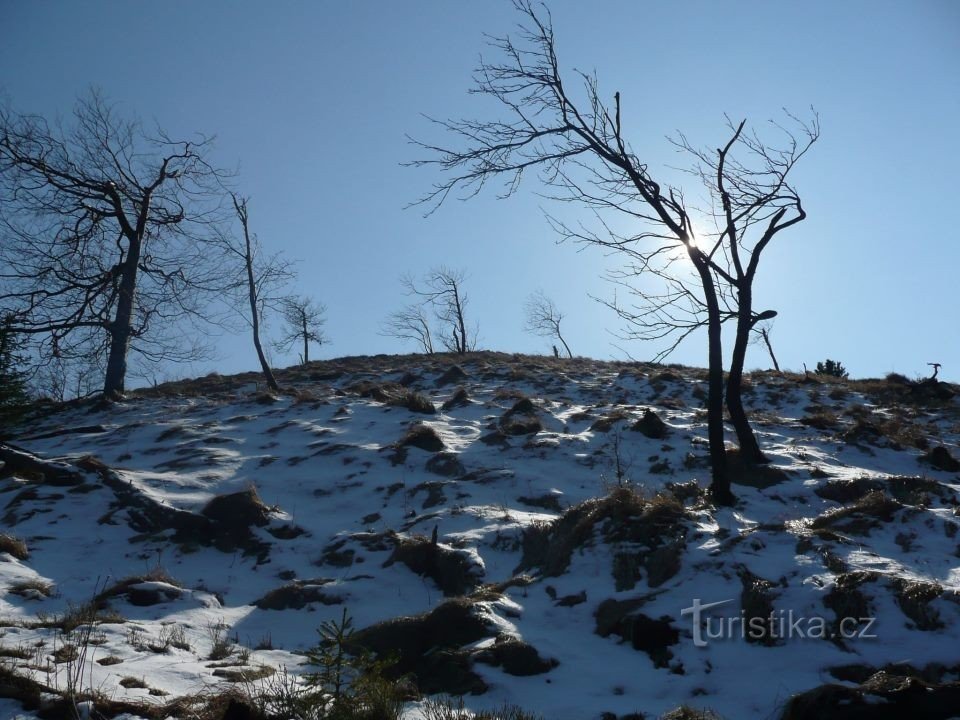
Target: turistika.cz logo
x=778, y=625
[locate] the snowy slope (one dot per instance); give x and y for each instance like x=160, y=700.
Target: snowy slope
x=856, y=520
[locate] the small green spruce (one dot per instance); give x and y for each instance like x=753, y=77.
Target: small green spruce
x=350, y=685
x=832, y=368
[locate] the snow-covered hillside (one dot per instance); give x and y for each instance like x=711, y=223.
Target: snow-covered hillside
x=543, y=519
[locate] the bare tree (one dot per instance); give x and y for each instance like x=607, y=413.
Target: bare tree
x=542, y=317
x=762, y=332
x=578, y=148
x=752, y=201
x=104, y=235
x=304, y=319
x=261, y=277
x=442, y=290
x=410, y=323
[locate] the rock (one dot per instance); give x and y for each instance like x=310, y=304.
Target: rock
x=886, y=695
x=515, y=657
x=649, y=635
x=238, y=510
x=428, y=646
x=651, y=425
x=454, y=571
x=445, y=464
x=297, y=595
x=460, y=398
x=941, y=459
x=453, y=374
x=423, y=437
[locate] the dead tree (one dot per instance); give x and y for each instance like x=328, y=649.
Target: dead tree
x=106, y=233
x=762, y=332
x=442, y=291
x=542, y=317
x=752, y=202
x=575, y=142
x=303, y=319
x=412, y=324
x=262, y=277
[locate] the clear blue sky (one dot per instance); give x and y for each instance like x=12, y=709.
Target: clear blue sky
x=312, y=100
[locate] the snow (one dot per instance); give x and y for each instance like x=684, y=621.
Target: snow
x=328, y=466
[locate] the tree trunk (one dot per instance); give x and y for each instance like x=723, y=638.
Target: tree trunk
x=241, y=207
x=462, y=343
x=766, y=339
x=750, y=452
x=565, y=346
x=720, y=484
x=255, y=323
x=122, y=326
x=306, y=339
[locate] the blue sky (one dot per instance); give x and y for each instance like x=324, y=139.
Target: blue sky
x=313, y=100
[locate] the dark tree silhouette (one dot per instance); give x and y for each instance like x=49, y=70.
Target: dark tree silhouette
x=442, y=290
x=303, y=319
x=763, y=332
x=577, y=147
x=105, y=235
x=13, y=385
x=261, y=277
x=542, y=317
x=412, y=324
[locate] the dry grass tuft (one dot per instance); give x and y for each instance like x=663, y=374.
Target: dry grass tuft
x=14, y=546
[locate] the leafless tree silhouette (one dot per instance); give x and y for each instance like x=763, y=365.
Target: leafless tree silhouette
x=410, y=323
x=762, y=332
x=441, y=289
x=106, y=233
x=542, y=317
x=261, y=277
x=303, y=319
x=574, y=142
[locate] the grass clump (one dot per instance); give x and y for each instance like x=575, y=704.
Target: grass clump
x=625, y=515
x=860, y=517
x=447, y=708
x=32, y=589
x=394, y=395
x=422, y=436
x=14, y=546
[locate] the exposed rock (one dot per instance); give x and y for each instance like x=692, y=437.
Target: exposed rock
x=651, y=425
x=521, y=419
x=237, y=511
x=607, y=422
x=453, y=374
x=914, y=600
x=649, y=635
x=941, y=459
x=756, y=602
x=460, y=398
x=423, y=437
x=454, y=571
x=445, y=464
x=428, y=646
x=623, y=516
x=883, y=696
x=515, y=657
x=297, y=595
